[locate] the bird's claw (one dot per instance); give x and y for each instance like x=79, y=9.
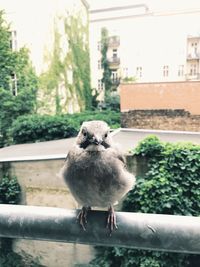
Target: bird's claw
x=82, y=217
x=111, y=220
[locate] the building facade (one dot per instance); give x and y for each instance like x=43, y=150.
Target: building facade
x=155, y=45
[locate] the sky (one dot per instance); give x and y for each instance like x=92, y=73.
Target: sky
x=156, y=5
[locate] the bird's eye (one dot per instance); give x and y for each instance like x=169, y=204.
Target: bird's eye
x=106, y=135
x=84, y=132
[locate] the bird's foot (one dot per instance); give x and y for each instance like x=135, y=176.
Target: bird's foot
x=82, y=217
x=111, y=220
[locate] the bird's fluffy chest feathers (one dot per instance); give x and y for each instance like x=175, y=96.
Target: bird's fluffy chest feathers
x=94, y=179
x=93, y=163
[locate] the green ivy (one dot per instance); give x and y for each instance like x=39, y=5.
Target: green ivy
x=106, y=70
x=171, y=185
x=75, y=60
x=13, y=259
x=10, y=191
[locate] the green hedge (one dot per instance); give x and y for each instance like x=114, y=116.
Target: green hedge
x=34, y=128
x=170, y=186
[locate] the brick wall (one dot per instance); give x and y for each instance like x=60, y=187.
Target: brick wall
x=157, y=96
x=165, y=106
x=179, y=120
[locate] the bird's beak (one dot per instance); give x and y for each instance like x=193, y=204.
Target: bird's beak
x=96, y=140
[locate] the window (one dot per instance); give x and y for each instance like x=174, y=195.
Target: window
x=165, y=71
x=114, y=53
x=125, y=72
x=180, y=70
x=193, y=69
x=13, y=85
x=13, y=40
x=100, y=85
x=139, y=72
x=194, y=47
x=100, y=65
x=99, y=46
x=114, y=76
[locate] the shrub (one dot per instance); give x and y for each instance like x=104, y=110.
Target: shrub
x=34, y=128
x=10, y=191
x=13, y=259
x=173, y=181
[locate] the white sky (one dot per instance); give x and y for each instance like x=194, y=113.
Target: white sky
x=155, y=5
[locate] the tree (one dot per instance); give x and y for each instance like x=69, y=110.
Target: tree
x=106, y=70
x=7, y=57
x=69, y=67
x=20, y=97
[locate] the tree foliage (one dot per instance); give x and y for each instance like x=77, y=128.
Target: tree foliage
x=14, y=63
x=170, y=186
x=106, y=70
x=69, y=66
x=7, y=57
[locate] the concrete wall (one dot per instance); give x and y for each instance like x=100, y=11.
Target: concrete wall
x=41, y=186
x=157, y=96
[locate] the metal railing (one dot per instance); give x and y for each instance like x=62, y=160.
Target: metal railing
x=135, y=230
x=193, y=56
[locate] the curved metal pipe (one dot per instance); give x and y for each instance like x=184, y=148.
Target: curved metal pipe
x=135, y=230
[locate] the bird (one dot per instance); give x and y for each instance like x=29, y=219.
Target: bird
x=95, y=172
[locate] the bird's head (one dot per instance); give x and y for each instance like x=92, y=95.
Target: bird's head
x=95, y=133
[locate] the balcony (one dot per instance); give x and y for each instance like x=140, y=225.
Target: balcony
x=116, y=81
x=193, y=56
x=114, y=42
x=193, y=77
x=114, y=63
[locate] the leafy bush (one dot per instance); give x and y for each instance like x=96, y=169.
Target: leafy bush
x=173, y=182
x=10, y=191
x=33, y=128
x=112, y=102
x=13, y=259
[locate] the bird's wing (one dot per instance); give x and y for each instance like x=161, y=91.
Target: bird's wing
x=73, y=153
x=121, y=158
x=117, y=154
x=71, y=157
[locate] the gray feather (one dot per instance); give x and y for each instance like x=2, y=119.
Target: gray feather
x=94, y=169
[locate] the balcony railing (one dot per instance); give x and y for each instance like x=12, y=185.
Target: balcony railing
x=114, y=62
x=193, y=56
x=114, y=41
x=193, y=77
x=116, y=81
x=135, y=230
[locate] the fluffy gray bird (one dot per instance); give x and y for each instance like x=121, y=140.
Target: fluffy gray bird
x=95, y=171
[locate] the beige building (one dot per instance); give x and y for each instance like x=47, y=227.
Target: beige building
x=157, y=43
x=113, y=57
x=46, y=29
x=193, y=58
